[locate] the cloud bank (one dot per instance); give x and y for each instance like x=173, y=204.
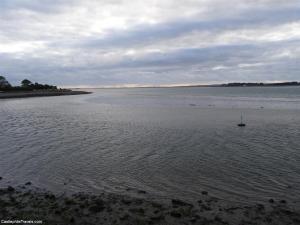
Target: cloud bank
x=116, y=42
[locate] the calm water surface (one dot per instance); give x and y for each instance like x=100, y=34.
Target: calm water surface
x=170, y=142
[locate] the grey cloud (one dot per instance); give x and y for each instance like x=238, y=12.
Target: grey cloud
x=76, y=57
x=44, y=6
x=150, y=33
x=183, y=66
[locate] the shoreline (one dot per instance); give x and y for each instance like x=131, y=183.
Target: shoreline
x=29, y=94
x=27, y=202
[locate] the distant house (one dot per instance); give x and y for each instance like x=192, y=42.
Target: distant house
x=4, y=83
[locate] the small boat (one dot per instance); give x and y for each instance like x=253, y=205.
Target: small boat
x=241, y=124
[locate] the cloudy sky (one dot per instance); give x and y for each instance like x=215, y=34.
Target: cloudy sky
x=153, y=42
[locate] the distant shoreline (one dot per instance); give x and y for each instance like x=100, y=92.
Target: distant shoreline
x=44, y=93
x=240, y=84
x=236, y=84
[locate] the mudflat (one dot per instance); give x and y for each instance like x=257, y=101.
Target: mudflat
x=27, y=203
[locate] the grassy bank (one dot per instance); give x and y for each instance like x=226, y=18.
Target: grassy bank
x=39, y=93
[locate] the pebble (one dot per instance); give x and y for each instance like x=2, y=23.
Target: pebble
x=180, y=203
x=126, y=202
x=175, y=214
x=125, y=217
x=96, y=208
x=10, y=189
x=157, y=218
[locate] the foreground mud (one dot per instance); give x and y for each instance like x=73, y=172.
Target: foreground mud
x=26, y=203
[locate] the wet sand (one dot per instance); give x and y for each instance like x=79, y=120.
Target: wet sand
x=29, y=203
x=27, y=94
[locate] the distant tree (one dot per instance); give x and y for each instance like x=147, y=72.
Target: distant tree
x=26, y=83
x=4, y=84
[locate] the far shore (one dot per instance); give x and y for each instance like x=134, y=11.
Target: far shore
x=40, y=93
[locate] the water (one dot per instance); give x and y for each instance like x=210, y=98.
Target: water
x=171, y=142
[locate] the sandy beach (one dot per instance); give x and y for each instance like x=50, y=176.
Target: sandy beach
x=29, y=203
x=42, y=93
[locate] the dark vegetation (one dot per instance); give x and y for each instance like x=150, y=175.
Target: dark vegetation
x=26, y=85
x=293, y=83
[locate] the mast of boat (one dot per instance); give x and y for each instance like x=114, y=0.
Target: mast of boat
x=241, y=124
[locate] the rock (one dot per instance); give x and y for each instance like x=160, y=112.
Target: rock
x=232, y=209
x=193, y=220
x=157, y=218
x=138, y=202
x=50, y=196
x=205, y=207
x=213, y=199
x=175, y=214
x=125, y=217
x=137, y=211
x=296, y=221
x=180, y=203
x=28, y=183
x=69, y=201
x=96, y=208
x=260, y=206
x=12, y=199
x=10, y=189
x=218, y=219
x=287, y=212
x=126, y=202
x=268, y=219
x=156, y=205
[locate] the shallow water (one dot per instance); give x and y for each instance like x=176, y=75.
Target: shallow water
x=171, y=142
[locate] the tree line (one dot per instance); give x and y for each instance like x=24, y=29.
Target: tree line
x=25, y=85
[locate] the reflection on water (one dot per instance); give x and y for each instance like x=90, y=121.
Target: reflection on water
x=167, y=141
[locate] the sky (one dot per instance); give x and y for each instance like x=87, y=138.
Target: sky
x=102, y=43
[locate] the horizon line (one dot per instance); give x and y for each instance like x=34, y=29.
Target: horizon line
x=169, y=85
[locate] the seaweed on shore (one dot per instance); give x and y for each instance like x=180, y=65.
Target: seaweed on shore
x=23, y=203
